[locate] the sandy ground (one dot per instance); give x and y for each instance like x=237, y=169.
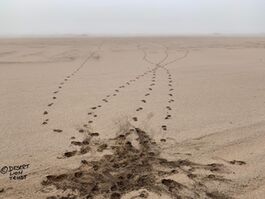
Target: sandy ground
x=176, y=117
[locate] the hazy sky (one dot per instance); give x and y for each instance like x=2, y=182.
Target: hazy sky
x=108, y=17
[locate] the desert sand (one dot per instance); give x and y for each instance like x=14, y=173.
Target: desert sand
x=176, y=117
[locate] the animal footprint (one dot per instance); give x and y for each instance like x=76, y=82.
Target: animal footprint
x=57, y=130
x=81, y=130
x=237, y=162
x=45, y=122
x=168, y=117
x=164, y=127
x=135, y=119
x=139, y=109
x=70, y=154
x=169, y=108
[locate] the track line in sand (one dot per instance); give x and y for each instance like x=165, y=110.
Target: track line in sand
x=129, y=168
x=162, y=65
x=93, y=112
x=60, y=88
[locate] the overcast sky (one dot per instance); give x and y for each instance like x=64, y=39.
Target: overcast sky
x=130, y=17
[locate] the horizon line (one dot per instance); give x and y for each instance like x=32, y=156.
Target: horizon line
x=56, y=35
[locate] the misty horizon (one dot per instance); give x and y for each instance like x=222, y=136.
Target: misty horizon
x=131, y=18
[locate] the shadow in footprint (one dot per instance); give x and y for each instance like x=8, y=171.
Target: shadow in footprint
x=164, y=127
x=135, y=119
x=57, y=130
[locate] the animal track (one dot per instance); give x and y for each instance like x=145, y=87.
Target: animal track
x=135, y=119
x=132, y=168
x=117, y=91
x=57, y=130
x=45, y=122
x=168, y=117
x=164, y=127
x=237, y=162
x=169, y=108
x=66, y=80
x=139, y=109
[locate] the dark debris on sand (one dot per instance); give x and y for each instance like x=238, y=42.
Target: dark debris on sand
x=129, y=168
